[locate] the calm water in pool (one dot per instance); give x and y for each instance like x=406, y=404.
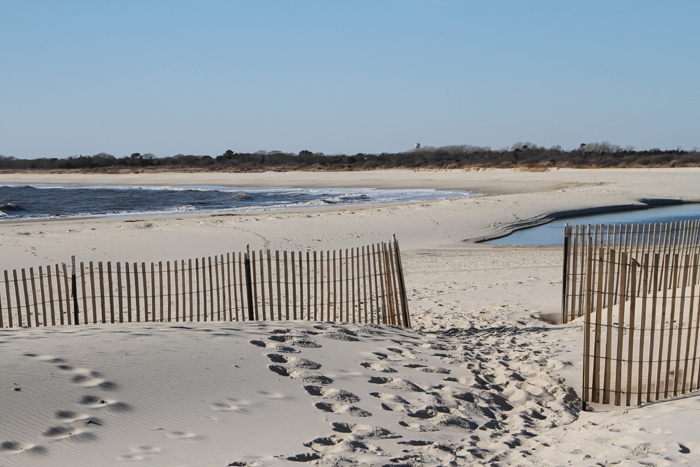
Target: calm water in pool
x=553, y=233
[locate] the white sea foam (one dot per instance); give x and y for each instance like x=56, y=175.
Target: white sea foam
x=211, y=199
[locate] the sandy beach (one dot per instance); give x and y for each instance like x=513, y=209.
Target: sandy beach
x=480, y=379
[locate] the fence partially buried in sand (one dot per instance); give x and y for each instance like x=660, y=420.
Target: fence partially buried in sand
x=636, y=287
x=358, y=285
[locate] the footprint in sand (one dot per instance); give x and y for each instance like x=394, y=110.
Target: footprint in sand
x=415, y=442
x=275, y=347
x=337, y=395
x=302, y=376
x=91, y=379
x=184, y=435
x=399, y=384
x=82, y=376
x=45, y=358
x=341, y=334
x=418, y=427
x=364, y=431
x=95, y=402
x=320, y=443
x=69, y=432
x=295, y=341
x=14, y=447
x=331, y=447
x=294, y=362
x=378, y=367
x=342, y=409
x=69, y=416
x=231, y=405
x=391, y=402
x=428, y=369
x=428, y=412
x=140, y=453
x=403, y=352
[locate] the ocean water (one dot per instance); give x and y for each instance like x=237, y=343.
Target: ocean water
x=64, y=201
x=553, y=232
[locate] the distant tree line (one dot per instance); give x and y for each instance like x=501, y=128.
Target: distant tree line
x=525, y=156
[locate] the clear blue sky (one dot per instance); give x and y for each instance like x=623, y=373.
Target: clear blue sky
x=200, y=77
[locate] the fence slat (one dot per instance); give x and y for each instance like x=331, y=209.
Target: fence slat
x=263, y=310
x=49, y=282
x=679, y=339
x=43, y=300
x=211, y=291
x=2, y=322
x=654, y=300
x=598, y=327
x=574, y=278
x=642, y=329
x=294, y=285
x=315, y=287
x=144, y=277
x=270, y=285
x=674, y=281
x=111, y=291
x=587, y=335
x=620, y=326
x=119, y=293
x=665, y=271
x=631, y=287
x=340, y=285
x=300, y=268
x=20, y=322
x=395, y=285
x=365, y=301
x=240, y=285
x=58, y=293
x=308, y=285
x=136, y=293
x=232, y=299
x=199, y=288
x=37, y=322
x=169, y=288
x=608, y=335
x=176, y=283
x=160, y=290
x=82, y=286
x=26, y=298
x=691, y=317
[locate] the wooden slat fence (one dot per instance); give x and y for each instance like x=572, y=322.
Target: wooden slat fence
x=356, y=285
x=642, y=324
x=636, y=240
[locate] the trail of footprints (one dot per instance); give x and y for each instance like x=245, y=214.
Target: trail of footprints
x=81, y=425
x=489, y=403
x=76, y=426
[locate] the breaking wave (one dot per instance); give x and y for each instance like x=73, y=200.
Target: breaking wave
x=65, y=201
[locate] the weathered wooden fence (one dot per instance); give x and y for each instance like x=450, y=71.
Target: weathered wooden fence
x=358, y=285
x=634, y=239
x=641, y=325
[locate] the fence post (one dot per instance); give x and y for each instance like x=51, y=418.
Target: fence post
x=249, y=284
x=402, y=284
x=565, y=275
x=74, y=280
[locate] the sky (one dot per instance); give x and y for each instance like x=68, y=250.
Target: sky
x=201, y=77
